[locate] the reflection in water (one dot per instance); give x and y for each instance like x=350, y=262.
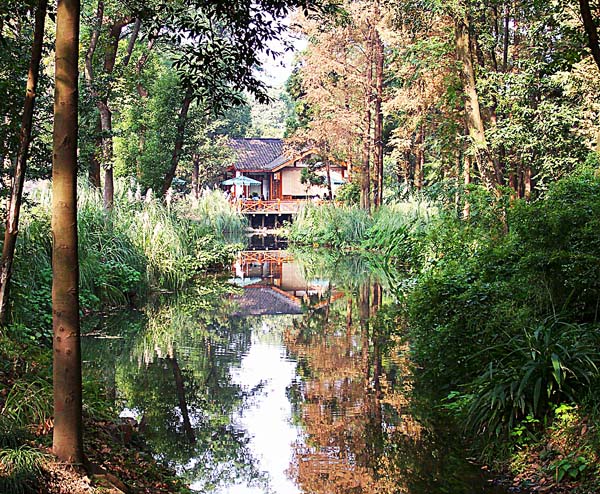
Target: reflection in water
x=289, y=378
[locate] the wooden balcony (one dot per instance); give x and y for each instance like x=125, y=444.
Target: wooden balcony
x=249, y=206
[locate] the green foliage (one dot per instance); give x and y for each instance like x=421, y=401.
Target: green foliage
x=20, y=468
x=348, y=194
x=214, y=214
x=520, y=305
x=331, y=225
x=397, y=227
x=551, y=363
x=572, y=467
x=28, y=402
x=122, y=253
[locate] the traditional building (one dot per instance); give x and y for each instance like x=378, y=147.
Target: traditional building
x=279, y=171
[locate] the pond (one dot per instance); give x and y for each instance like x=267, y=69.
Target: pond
x=286, y=375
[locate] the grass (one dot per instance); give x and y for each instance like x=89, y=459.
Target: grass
x=20, y=468
x=138, y=245
x=386, y=230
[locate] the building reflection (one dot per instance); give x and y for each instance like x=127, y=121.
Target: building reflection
x=274, y=284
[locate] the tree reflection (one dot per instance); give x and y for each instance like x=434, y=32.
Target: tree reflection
x=355, y=401
x=175, y=375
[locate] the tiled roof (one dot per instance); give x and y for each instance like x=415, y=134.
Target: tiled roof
x=254, y=154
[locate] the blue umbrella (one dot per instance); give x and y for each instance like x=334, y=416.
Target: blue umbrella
x=241, y=180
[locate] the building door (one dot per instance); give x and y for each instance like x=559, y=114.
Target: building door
x=275, y=186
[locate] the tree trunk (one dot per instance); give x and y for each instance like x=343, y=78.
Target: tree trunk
x=195, y=175
x=95, y=162
x=67, y=440
x=181, y=123
x=473, y=118
x=506, y=40
x=365, y=189
x=467, y=181
x=180, y=389
x=420, y=159
x=328, y=173
x=110, y=56
x=132, y=39
x=590, y=30
x=527, y=183
x=95, y=165
x=14, y=205
x=378, y=131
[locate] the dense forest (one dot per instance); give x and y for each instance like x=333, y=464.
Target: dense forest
x=471, y=135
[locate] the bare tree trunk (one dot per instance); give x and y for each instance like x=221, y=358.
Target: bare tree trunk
x=181, y=123
x=590, y=29
x=506, y=40
x=95, y=166
x=110, y=56
x=328, y=173
x=132, y=39
x=68, y=438
x=420, y=159
x=467, y=181
x=378, y=134
x=14, y=205
x=527, y=183
x=365, y=190
x=195, y=175
x=473, y=118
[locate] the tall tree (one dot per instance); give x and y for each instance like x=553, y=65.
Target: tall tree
x=68, y=437
x=14, y=205
x=591, y=30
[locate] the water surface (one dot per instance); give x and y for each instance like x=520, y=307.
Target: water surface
x=288, y=374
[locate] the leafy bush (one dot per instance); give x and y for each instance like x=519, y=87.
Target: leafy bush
x=550, y=363
x=348, y=194
x=509, y=318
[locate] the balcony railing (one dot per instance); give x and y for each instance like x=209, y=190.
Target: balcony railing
x=278, y=206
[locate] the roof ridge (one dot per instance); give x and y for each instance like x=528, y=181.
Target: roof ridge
x=257, y=138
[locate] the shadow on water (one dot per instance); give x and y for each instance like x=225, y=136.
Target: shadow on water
x=288, y=375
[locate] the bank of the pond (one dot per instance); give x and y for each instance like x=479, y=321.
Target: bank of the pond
x=501, y=314
x=140, y=246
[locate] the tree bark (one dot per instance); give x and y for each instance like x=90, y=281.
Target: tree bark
x=14, y=205
x=420, y=159
x=132, y=39
x=95, y=165
x=473, y=118
x=527, y=183
x=195, y=176
x=110, y=56
x=181, y=123
x=67, y=440
x=467, y=181
x=590, y=30
x=378, y=130
x=365, y=189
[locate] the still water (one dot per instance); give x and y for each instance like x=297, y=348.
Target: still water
x=286, y=375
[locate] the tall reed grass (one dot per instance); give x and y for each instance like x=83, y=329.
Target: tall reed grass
x=388, y=230
x=140, y=243
x=214, y=213
x=330, y=224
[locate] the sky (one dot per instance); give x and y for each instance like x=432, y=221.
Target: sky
x=276, y=72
